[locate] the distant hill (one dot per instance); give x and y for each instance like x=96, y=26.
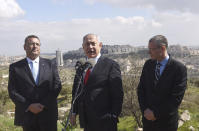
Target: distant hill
x=123, y=54
x=117, y=50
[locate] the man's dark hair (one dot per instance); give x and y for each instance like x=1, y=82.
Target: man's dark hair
x=30, y=36
x=159, y=40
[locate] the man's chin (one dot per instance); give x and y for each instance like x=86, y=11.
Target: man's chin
x=153, y=58
x=35, y=55
x=92, y=56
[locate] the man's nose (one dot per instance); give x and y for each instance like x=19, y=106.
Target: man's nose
x=90, y=46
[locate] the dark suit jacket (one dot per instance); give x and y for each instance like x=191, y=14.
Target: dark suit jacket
x=164, y=97
x=23, y=91
x=102, y=95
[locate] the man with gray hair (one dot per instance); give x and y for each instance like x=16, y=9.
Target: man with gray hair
x=100, y=102
x=161, y=89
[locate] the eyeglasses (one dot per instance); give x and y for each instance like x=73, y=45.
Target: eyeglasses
x=152, y=49
x=37, y=44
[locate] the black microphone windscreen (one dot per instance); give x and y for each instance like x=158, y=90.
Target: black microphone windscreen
x=78, y=64
x=88, y=64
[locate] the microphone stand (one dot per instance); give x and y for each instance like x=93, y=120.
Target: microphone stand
x=81, y=69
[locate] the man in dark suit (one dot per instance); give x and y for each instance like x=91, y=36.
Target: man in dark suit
x=100, y=102
x=161, y=88
x=33, y=86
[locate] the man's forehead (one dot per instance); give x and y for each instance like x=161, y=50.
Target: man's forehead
x=90, y=38
x=151, y=44
x=33, y=39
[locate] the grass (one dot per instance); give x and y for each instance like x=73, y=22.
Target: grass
x=194, y=122
x=126, y=124
x=7, y=124
x=191, y=103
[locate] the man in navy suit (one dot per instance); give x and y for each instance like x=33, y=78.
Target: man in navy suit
x=34, y=85
x=161, y=88
x=100, y=102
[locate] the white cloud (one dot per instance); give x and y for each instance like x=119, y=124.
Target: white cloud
x=161, y=5
x=9, y=9
x=178, y=28
x=156, y=24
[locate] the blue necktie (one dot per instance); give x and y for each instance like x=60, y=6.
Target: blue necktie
x=157, y=71
x=33, y=70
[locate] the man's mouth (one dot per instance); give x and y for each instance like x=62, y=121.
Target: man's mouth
x=34, y=50
x=91, y=52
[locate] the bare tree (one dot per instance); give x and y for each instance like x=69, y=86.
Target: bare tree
x=130, y=83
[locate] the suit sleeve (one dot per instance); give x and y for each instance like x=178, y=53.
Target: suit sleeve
x=141, y=92
x=116, y=89
x=177, y=93
x=55, y=89
x=15, y=96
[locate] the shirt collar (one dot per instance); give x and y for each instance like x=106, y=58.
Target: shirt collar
x=164, y=61
x=94, y=60
x=35, y=60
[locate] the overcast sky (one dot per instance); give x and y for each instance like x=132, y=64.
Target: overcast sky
x=61, y=24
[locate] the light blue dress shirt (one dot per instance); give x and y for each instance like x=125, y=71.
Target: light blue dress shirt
x=36, y=67
x=163, y=64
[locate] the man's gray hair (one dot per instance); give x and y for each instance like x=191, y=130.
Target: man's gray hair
x=29, y=37
x=159, y=40
x=98, y=37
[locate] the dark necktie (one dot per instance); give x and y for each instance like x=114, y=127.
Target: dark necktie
x=157, y=71
x=86, y=76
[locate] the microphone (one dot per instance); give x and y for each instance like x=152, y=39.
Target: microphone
x=79, y=64
x=86, y=66
x=78, y=80
x=80, y=69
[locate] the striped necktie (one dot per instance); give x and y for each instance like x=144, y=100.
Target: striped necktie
x=157, y=71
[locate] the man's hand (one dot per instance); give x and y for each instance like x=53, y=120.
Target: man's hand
x=149, y=115
x=73, y=119
x=35, y=108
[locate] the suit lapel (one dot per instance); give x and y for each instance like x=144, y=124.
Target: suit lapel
x=153, y=69
x=27, y=71
x=92, y=75
x=166, y=69
x=41, y=70
x=164, y=73
x=153, y=66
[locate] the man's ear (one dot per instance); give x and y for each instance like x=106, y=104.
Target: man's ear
x=24, y=46
x=163, y=48
x=82, y=45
